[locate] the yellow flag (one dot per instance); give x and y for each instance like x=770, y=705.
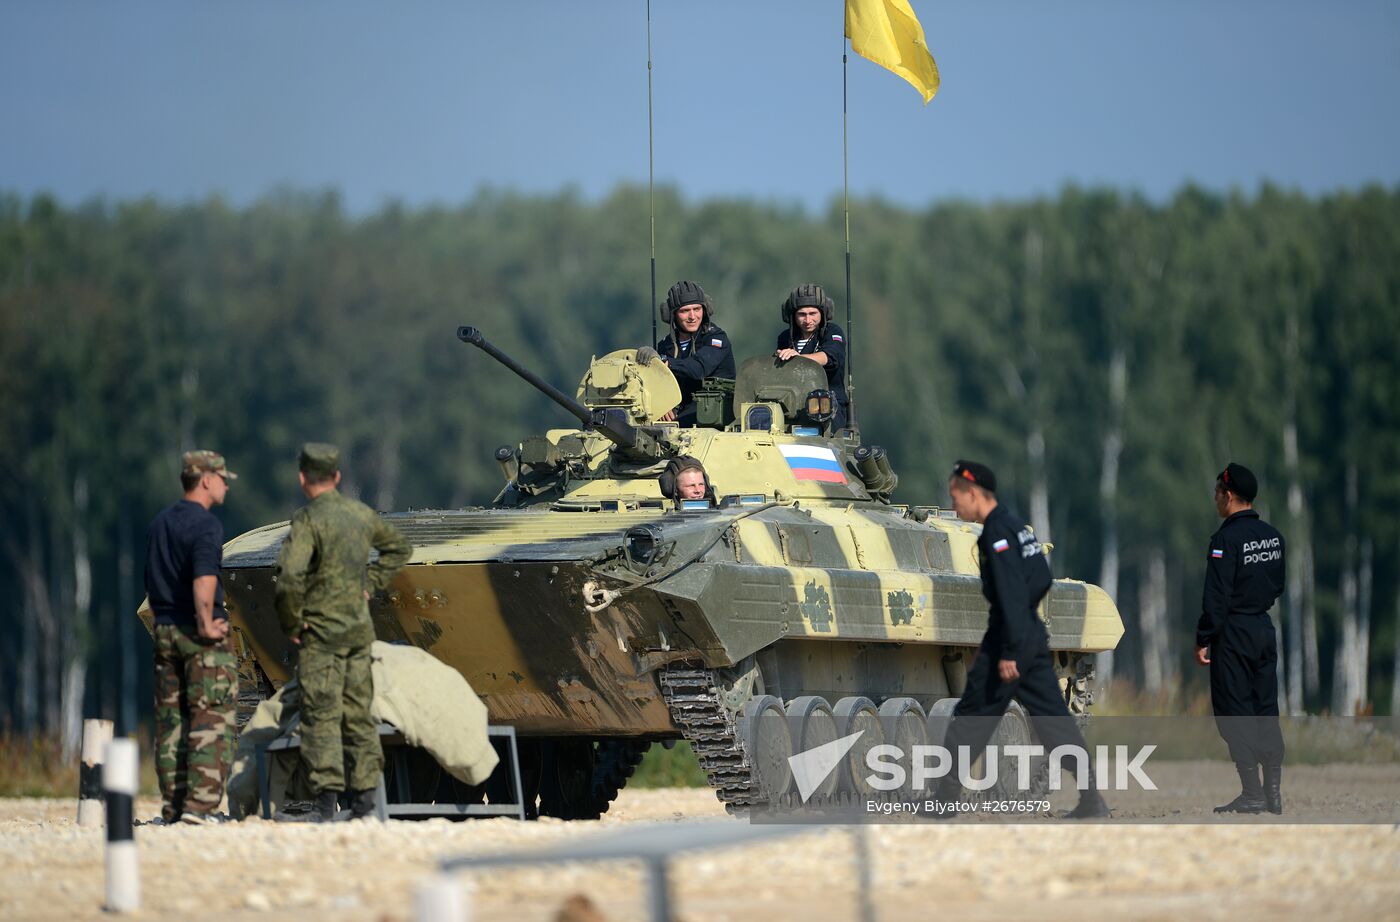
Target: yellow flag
x=888, y=33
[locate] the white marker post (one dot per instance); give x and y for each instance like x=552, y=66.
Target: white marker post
x=440, y=899
x=119, y=776
x=96, y=735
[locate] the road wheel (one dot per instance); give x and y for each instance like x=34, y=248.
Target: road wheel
x=857, y=715
x=764, y=730
x=906, y=726
x=811, y=724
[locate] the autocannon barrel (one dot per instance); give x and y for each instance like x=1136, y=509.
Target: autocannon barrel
x=472, y=335
x=609, y=422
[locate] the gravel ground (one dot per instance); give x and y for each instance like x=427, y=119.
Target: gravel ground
x=1264, y=869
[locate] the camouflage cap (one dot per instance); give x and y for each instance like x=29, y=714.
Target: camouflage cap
x=319, y=459
x=204, y=461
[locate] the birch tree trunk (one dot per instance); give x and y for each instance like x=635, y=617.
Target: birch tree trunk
x=389, y=462
x=127, y=603
x=74, y=654
x=1040, y=483
x=1035, y=436
x=1303, y=665
x=1312, y=660
x=1108, y=496
x=1362, y=660
x=1169, y=600
x=189, y=399
x=1300, y=549
x=1152, y=615
x=107, y=679
x=349, y=483
x=1035, y=451
x=45, y=590
x=1344, y=662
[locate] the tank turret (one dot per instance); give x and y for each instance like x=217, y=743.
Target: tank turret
x=608, y=380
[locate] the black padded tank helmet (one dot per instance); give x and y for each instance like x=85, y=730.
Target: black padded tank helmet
x=807, y=295
x=683, y=293
x=668, y=477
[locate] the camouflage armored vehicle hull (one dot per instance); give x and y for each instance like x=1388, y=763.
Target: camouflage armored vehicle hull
x=594, y=616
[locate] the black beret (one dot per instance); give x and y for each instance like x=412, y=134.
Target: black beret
x=1240, y=481
x=975, y=473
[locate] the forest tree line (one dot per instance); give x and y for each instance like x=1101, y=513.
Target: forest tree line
x=1106, y=355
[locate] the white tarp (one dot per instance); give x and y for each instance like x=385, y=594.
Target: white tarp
x=429, y=702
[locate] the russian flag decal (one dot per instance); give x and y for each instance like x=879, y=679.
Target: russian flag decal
x=837, y=337
x=813, y=462
x=1000, y=546
x=1217, y=554
x=716, y=342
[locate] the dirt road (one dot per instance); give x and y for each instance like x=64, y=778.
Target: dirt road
x=366, y=871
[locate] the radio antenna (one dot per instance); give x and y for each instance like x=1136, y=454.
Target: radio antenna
x=651, y=186
x=846, y=206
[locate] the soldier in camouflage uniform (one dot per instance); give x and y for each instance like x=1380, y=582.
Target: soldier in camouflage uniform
x=323, y=587
x=196, y=677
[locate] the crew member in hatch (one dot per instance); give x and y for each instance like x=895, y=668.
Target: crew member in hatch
x=695, y=349
x=812, y=335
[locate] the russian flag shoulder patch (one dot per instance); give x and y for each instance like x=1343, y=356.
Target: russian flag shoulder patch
x=1001, y=545
x=837, y=337
x=1217, y=553
x=716, y=342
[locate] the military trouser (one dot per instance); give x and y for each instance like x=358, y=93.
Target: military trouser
x=196, y=696
x=1244, y=690
x=339, y=738
x=986, y=697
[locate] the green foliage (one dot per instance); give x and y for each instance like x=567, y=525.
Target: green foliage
x=130, y=332
x=676, y=767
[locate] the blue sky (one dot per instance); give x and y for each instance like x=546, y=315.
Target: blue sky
x=427, y=102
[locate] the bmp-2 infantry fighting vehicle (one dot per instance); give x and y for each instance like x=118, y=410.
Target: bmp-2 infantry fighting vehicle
x=595, y=616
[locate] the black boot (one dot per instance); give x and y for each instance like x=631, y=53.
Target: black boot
x=1273, y=797
x=323, y=811
x=946, y=795
x=1090, y=806
x=363, y=806
x=1251, y=799
x=327, y=805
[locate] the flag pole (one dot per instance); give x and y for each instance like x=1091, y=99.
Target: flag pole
x=651, y=185
x=846, y=207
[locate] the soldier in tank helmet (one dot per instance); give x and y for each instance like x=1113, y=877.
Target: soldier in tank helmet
x=812, y=335
x=696, y=348
x=1235, y=638
x=323, y=589
x=686, y=483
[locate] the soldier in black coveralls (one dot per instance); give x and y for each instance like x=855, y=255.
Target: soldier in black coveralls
x=1014, y=660
x=1235, y=637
